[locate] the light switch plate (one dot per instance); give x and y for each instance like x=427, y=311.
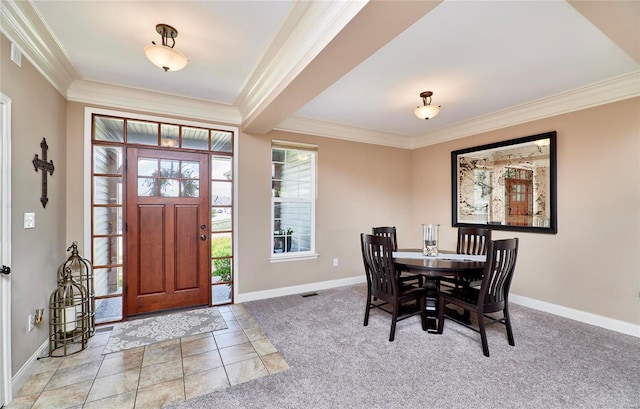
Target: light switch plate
x=29, y=220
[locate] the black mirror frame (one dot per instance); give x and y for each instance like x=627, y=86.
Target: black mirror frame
x=552, y=228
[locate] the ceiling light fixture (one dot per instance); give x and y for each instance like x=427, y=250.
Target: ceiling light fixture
x=165, y=56
x=427, y=110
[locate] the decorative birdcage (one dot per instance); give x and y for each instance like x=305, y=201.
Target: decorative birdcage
x=82, y=272
x=68, y=317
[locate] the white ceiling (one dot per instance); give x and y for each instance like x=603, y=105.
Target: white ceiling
x=274, y=64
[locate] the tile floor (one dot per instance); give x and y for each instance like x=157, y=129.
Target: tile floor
x=156, y=375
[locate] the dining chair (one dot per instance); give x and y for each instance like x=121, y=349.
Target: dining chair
x=471, y=241
x=491, y=297
x=384, y=290
x=390, y=232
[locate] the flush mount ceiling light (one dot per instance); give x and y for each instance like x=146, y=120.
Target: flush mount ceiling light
x=427, y=110
x=165, y=56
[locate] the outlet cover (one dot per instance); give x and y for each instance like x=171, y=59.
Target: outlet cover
x=29, y=220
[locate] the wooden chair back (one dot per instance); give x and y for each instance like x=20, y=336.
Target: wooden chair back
x=387, y=231
x=498, y=272
x=473, y=240
x=378, y=263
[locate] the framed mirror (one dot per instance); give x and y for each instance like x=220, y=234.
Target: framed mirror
x=509, y=185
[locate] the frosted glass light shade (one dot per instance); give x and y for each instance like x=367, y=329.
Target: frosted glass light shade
x=427, y=111
x=165, y=57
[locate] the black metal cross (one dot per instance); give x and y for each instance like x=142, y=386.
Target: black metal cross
x=46, y=167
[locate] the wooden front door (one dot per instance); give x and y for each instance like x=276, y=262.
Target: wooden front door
x=168, y=251
x=519, y=198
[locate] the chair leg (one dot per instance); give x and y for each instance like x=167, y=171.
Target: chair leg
x=483, y=334
x=507, y=323
x=423, y=313
x=394, y=319
x=440, y=315
x=366, y=312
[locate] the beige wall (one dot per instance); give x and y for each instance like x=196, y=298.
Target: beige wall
x=38, y=111
x=593, y=263
x=359, y=186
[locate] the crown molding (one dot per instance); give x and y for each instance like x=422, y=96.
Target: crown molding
x=347, y=133
x=309, y=27
x=22, y=24
x=604, y=92
x=128, y=98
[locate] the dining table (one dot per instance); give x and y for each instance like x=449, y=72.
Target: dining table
x=446, y=264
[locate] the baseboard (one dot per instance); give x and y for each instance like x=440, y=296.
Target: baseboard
x=299, y=289
x=577, y=315
x=22, y=376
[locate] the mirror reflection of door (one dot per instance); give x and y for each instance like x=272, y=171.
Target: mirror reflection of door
x=519, y=196
x=168, y=230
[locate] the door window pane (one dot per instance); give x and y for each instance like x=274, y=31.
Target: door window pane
x=107, y=251
x=107, y=159
x=144, y=133
x=147, y=187
x=107, y=220
x=147, y=167
x=221, y=218
x=169, y=168
x=169, y=135
x=108, y=129
x=195, y=138
x=220, y=193
x=221, y=168
x=190, y=170
x=190, y=188
x=108, y=280
x=221, y=141
x=169, y=187
x=221, y=294
x=107, y=190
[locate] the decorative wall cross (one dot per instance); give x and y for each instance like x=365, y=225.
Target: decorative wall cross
x=46, y=167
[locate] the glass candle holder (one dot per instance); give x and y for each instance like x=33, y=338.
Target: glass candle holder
x=430, y=239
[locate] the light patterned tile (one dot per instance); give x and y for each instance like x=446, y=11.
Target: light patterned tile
x=73, y=375
x=22, y=402
x=67, y=397
x=245, y=371
x=123, y=401
x=194, y=337
x=120, y=364
x=254, y=333
x=231, y=338
x=159, y=373
x=114, y=385
x=238, y=353
x=198, y=345
x=36, y=383
x=275, y=363
x=161, y=353
x=83, y=357
x=263, y=346
x=227, y=315
x=205, y=382
x=201, y=362
x=98, y=339
x=247, y=323
x=125, y=353
x=160, y=395
x=232, y=325
x=47, y=364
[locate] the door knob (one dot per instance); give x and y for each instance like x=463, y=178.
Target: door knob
x=203, y=226
x=203, y=237
x=6, y=270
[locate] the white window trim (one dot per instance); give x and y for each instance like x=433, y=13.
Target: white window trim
x=299, y=255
